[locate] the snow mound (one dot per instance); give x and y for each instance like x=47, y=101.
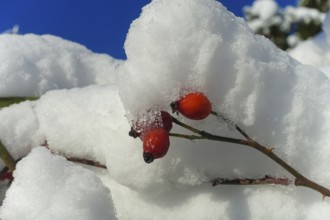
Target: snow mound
x=32, y=64
x=88, y=123
x=48, y=187
x=18, y=129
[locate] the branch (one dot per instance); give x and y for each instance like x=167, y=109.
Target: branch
x=86, y=162
x=268, y=151
x=76, y=159
x=267, y=180
x=230, y=122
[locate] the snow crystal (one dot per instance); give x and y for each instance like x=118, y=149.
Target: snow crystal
x=49, y=187
x=13, y=30
x=31, y=65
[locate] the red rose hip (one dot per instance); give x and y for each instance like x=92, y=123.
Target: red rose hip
x=167, y=120
x=155, y=144
x=194, y=106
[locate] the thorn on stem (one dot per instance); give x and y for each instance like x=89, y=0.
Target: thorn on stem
x=323, y=197
x=270, y=149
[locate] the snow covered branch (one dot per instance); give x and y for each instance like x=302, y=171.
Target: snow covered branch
x=266, y=150
x=249, y=181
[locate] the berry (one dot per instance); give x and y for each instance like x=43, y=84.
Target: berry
x=167, y=120
x=140, y=127
x=194, y=106
x=155, y=144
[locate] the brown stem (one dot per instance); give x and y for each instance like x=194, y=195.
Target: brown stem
x=77, y=160
x=268, y=151
x=86, y=162
x=248, y=181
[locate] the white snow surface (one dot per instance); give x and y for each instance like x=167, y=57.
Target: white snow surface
x=46, y=186
x=32, y=65
x=174, y=47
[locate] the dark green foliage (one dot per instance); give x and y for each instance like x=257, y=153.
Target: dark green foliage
x=321, y=5
x=306, y=30
x=302, y=29
x=278, y=37
x=7, y=101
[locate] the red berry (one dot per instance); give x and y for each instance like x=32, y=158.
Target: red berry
x=155, y=144
x=166, y=120
x=162, y=120
x=194, y=106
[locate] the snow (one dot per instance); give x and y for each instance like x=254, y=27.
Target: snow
x=265, y=17
x=46, y=186
x=315, y=51
x=264, y=8
x=38, y=64
x=304, y=14
x=263, y=14
x=174, y=47
x=13, y=30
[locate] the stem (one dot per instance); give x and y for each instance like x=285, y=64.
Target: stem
x=6, y=157
x=268, y=151
x=86, y=162
x=190, y=137
x=76, y=159
x=204, y=134
x=230, y=122
x=248, y=181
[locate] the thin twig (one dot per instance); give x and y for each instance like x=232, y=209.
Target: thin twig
x=267, y=180
x=230, y=122
x=268, y=151
x=76, y=159
x=86, y=162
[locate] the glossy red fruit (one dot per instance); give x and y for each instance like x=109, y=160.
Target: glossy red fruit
x=155, y=144
x=194, y=106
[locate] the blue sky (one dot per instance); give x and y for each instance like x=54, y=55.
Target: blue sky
x=100, y=25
